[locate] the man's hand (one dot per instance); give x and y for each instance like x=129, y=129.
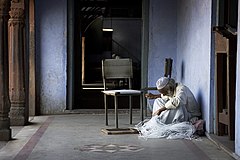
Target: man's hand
x=159, y=111
x=152, y=96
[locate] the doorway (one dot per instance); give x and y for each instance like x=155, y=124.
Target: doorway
x=225, y=71
x=92, y=45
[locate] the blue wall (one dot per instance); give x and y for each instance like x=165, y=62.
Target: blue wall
x=194, y=50
x=51, y=54
x=181, y=29
x=162, y=38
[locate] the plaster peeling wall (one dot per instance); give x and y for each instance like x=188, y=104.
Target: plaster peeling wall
x=162, y=38
x=194, y=50
x=51, y=54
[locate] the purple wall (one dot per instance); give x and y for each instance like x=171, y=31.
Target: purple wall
x=181, y=29
x=194, y=51
x=162, y=38
x=51, y=54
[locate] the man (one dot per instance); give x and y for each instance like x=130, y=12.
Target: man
x=175, y=103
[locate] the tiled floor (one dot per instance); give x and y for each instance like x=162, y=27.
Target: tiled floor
x=79, y=137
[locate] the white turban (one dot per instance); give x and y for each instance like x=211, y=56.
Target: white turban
x=162, y=82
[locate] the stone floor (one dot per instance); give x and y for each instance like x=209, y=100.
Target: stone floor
x=79, y=137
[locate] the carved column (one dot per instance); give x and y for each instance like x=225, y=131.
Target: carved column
x=5, y=131
x=17, y=96
x=32, y=77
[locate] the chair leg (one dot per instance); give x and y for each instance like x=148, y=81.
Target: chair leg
x=130, y=109
x=141, y=107
x=106, y=109
x=116, y=111
x=144, y=103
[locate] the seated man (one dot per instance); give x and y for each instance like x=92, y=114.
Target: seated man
x=175, y=103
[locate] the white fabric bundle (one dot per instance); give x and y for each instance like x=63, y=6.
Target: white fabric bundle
x=154, y=128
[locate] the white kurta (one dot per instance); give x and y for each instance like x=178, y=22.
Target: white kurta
x=172, y=123
x=181, y=107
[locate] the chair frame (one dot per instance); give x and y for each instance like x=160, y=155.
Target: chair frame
x=119, y=69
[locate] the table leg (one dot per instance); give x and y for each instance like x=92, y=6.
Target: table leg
x=144, y=103
x=106, y=109
x=116, y=111
x=130, y=109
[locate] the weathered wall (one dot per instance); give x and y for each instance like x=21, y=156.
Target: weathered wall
x=51, y=55
x=162, y=38
x=194, y=50
x=182, y=30
x=237, y=114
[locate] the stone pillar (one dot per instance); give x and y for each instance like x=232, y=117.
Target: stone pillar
x=18, y=110
x=5, y=131
x=32, y=57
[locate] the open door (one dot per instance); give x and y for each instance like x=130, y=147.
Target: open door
x=225, y=67
x=225, y=62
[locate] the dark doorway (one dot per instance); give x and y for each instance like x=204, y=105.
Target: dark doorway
x=225, y=69
x=92, y=45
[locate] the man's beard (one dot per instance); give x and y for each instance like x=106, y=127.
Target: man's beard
x=170, y=93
